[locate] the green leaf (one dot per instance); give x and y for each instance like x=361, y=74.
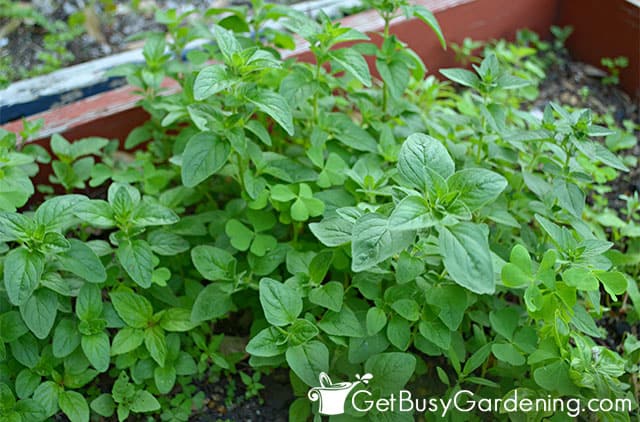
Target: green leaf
x=597, y=152
x=103, y=405
x=614, y=282
x=354, y=63
x=165, y=378
x=281, y=303
x=26, y=383
x=436, y=332
x=96, y=212
x=407, y=309
x=391, y=371
x=427, y=17
x=47, y=395
x=581, y=279
x=268, y=343
x=505, y=321
x=506, y=352
x=275, y=106
x=395, y=74
x=308, y=360
x=477, y=186
x=39, y=312
x=210, y=81
x=66, y=338
x=74, y=406
x=126, y=340
x=22, y=274
x=373, y=241
x=135, y=310
x=97, y=350
x=328, y=295
x=351, y=134
x=213, y=302
x=149, y=213
x=177, y=320
x=399, y=332
x=143, y=402
x=89, y=304
x=204, y=154
x=301, y=331
x=167, y=243
x=332, y=231
x=412, y=213
x=420, y=156
x=376, y=320
x=463, y=77
x=213, y=263
x=478, y=358
x=156, y=343
x=343, y=323
x=451, y=302
x=55, y=213
x=226, y=42
x=467, y=256
x=82, y=261
x=136, y=258
x=239, y=235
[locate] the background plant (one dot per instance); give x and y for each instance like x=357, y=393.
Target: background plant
x=341, y=223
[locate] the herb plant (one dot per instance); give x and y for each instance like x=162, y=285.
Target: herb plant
x=338, y=221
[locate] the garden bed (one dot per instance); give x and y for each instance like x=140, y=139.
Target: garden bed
x=266, y=226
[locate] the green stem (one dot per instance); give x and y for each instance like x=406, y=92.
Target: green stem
x=316, y=93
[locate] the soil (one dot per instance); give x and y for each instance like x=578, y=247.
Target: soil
x=563, y=84
x=272, y=405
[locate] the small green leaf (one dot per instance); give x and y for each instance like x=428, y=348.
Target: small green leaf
x=136, y=258
x=328, y=295
x=463, y=77
x=275, y=106
x=213, y=302
x=281, y=304
x=22, y=274
x=143, y=402
x=156, y=343
x=74, y=406
x=104, y=405
x=82, y=261
x=210, y=81
x=467, y=256
x=39, y=312
x=268, y=343
x=391, y=371
x=66, y=338
x=204, y=154
x=420, y=156
x=97, y=350
x=213, y=263
x=135, y=310
x=376, y=320
x=308, y=360
x=354, y=63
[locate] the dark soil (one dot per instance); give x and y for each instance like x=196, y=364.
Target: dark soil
x=272, y=405
x=563, y=84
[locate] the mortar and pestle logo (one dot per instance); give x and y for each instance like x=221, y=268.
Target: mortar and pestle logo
x=333, y=396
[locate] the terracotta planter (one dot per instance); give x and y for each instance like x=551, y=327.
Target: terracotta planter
x=114, y=114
